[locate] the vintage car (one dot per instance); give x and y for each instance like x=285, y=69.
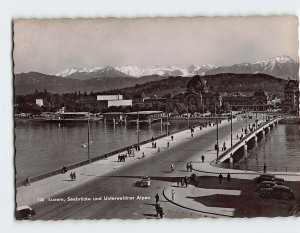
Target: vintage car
x=265, y=184
x=268, y=177
x=145, y=182
x=24, y=212
x=277, y=192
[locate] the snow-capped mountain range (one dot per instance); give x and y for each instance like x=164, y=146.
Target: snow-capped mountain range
x=281, y=67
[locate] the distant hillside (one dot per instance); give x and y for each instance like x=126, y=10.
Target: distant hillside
x=25, y=83
x=219, y=82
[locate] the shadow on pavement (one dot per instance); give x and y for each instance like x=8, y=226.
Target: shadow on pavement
x=248, y=203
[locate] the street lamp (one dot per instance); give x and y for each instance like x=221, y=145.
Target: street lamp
x=167, y=120
x=89, y=156
x=138, y=128
x=216, y=117
x=231, y=129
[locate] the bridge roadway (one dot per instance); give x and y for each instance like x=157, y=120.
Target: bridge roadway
x=261, y=130
x=121, y=181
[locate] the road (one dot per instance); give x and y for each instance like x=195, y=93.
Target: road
x=121, y=182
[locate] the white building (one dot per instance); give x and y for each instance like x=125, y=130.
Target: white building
x=39, y=102
x=109, y=97
x=113, y=100
x=119, y=103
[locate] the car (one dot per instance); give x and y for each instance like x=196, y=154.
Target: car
x=24, y=212
x=268, y=177
x=277, y=192
x=264, y=177
x=266, y=184
x=145, y=181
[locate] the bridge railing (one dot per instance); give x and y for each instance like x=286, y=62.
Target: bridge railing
x=244, y=139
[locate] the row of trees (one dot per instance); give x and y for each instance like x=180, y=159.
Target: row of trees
x=71, y=101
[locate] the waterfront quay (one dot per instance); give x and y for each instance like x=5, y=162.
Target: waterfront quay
x=110, y=178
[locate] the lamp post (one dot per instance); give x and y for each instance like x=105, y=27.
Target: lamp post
x=217, y=121
x=138, y=129
x=167, y=120
x=231, y=129
x=89, y=156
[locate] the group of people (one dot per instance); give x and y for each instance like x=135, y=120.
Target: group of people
x=189, y=167
x=121, y=157
x=73, y=176
x=130, y=151
x=228, y=177
x=182, y=182
x=154, y=145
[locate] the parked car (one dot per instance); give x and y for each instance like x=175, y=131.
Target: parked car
x=268, y=177
x=24, y=212
x=278, y=192
x=266, y=184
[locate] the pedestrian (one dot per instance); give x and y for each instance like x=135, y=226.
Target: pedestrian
x=224, y=145
x=265, y=168
x=161, y=211
x=168, y=144
x=74, y=176
x=155, y=145
x=157, y=209
x=157, y=198
x=152, y=139
x=186, y=181
x=191, y=166
x=192, y=135
x=187, y=166
x=71, y=175
x=182, y=182
x=173, y=195
x=242, y=129
x=228, y=177
x=220, y=178
x=202, y=158
x=172, y=137
x=237, y=136
x=27, y=181
x=178, y=182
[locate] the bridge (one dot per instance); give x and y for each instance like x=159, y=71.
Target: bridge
x=238, y=150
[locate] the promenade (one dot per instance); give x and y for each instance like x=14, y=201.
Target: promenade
x=108, y=176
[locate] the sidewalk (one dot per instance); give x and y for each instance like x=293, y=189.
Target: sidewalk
x=27, y=195
x=210, y=197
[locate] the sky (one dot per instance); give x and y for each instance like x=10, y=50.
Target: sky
x=52, y=45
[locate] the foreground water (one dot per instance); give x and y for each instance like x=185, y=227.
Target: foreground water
x=42, y=147
x=280, y=150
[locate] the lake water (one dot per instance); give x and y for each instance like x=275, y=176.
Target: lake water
x=280, y=150
x=42, y=147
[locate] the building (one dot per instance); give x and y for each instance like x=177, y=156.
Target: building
x=291, y=97
x=39, y=102
x=113, y=100
x=257, y=100
x=144, y=116
x=109, y=97
x=197, y=93
x=118, y=103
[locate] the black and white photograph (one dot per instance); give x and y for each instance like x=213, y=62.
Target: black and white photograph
x=156, y=117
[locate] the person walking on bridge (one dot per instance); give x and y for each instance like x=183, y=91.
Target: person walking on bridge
x=220, y=178
x=265, y=168
x=157, y=198
x=202, y=158
x=173, y=195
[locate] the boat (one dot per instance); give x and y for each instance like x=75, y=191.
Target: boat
x=61, y=117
